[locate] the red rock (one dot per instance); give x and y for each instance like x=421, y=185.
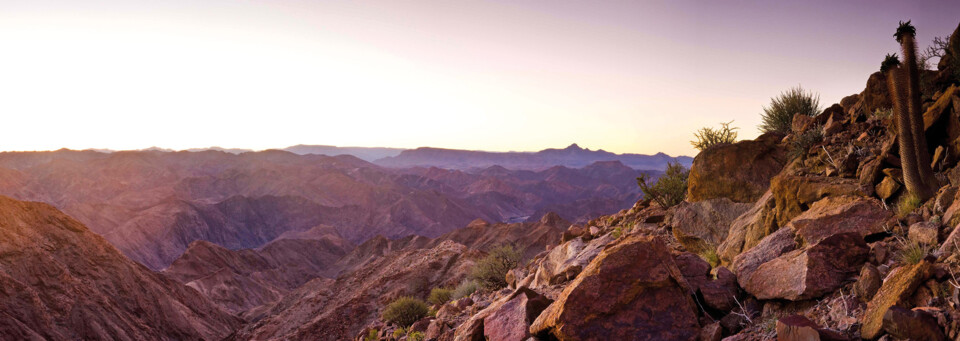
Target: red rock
x=924, y=232
x=704, y=224
x=840, y=214
x=912, y=324
x=740, y=171
x=801, y=123
x=711, y=332
x=645, y=297
x=897, y=288
x=868, y=283
x=800, y=328
x=721, y=293
x=511, y=321
x=770, y=248
x=810, y=272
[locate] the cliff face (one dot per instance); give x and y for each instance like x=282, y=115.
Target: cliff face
x=60, y=281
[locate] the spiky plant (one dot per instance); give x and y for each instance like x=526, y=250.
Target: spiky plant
x=904, y=82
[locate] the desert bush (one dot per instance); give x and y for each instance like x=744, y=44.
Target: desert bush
x=371, y=335
x=913, y=252
x=439, y=296
x=908, y=203
x=466, y=288
x=778, y=117
x=399, y=332
x=491, y=271
x=670, y=189
x=404, y=311
x=710, y=255
x=617, y=232
x=883, y=113
x=708, y=137
x=800, y=144
x=415, y=336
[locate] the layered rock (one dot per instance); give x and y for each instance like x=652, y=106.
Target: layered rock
x=644, y=297
x=704, y=224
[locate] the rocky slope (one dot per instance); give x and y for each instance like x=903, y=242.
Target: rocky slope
x=803, y=236
x=60, y=281
x=153, y=204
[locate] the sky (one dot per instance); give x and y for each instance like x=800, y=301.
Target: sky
x=623, y=76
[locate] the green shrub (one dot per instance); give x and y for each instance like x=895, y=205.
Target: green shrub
x=372, y=335
x=908, y=203
x=883, y=113
x=913, y=252
x=491, y=271
x=710, y=255
x=439, y=296
x=670, y=189
x=708, y=137
x=617, y=232
x=399, y=332
x=415, y=336
x=802, y=143
x=778, y=117
x=404, y=311
x=466, y=288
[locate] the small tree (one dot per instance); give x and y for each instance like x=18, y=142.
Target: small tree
x=439, y=296
x=708, y=137
x=491, y=271
x=404, y=311
x=778, y=117
x=670, y=189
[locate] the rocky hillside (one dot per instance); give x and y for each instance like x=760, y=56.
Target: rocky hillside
x=808, y=235
x=60, y=281
x=152, y=204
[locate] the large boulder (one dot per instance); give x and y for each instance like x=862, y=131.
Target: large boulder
x=632, y=291
x=876, y=95
x=511, y=321
x=895, y=291
x=833, y=215
x=564, y=262
x=913, y=324
x=740, y=171
x=719, y=291
x=793, y=193
x=704, y=224
x=809, y=272
x=748, y=229
x=800, y=328
x=771, y=247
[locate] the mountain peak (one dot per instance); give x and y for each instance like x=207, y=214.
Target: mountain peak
x=573, y=147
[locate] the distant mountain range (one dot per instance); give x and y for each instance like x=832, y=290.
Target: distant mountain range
x=573, y=157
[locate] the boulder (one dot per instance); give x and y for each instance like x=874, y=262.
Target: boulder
x=897, y=288
x=748, y=229
x=801, y=123
x=887, y=188
x=793, y=193
x=565, y=261
x=740, y=171
x=800, y=328
x=770, y=248
x=875, y=95
x=840, y=214
x=913, y=324
x=717, y=293
x=810, y=272
x=633, y=290
x=704, y=224
x=868, y=283
x=868, y=172
x=511, y=321
x=924, y=232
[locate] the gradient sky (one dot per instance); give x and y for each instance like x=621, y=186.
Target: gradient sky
x=624, y=76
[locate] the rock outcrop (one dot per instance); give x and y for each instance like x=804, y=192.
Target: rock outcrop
x=740, y=171
x=644, y=297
